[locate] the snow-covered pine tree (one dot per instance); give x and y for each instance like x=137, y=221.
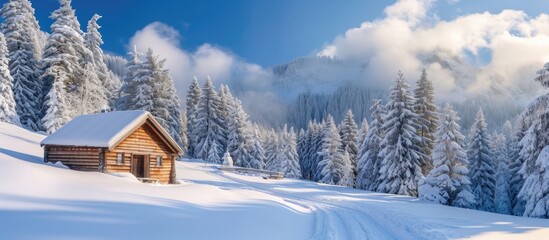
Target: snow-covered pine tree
x=286, y=159
x=166, y=103
x=348, y=132
x=448, y=183
x=401, y=165
x=212, y=154
x=482, y=166
x=110, y=83
x=193, y=98
x=362, y=132
x=301, y=148
x=314, y=152
x=543, y=76
x=535, y=191
x=226, y=105
x=335, y=163
x=271, y=151
x=7, y=102
x=256, y=154
x=66, y=56
x=57, y=113
x=22, y=37
x=502, y=199
x=209, y=127
x=427, y=112
x=532, y=169
x=183, y=133
x=516, y=180
x=129, y=82
x=306, y=157
x=369, y=161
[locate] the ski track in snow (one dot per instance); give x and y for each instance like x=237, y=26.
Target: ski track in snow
x=343, y=221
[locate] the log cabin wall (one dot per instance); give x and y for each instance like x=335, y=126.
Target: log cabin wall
x=143, y=141
x=76, y=158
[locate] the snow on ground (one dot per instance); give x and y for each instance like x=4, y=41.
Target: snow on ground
x=45, y=201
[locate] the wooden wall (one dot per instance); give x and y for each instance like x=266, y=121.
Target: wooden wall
x=144, y=141
x=77, y=158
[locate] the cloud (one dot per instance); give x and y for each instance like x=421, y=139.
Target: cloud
x=511, y=44
x=246, y=79
x=216, y=62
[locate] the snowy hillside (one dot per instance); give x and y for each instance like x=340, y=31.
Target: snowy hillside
x=45, y=201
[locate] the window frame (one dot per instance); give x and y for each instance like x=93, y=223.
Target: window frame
x=121, y=162
x=159, y=160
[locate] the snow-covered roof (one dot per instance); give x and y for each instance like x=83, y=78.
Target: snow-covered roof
x=103, y=129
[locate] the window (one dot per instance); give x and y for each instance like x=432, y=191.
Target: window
x=158, y=160
x=120, y=158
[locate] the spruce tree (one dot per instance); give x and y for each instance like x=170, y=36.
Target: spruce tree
x=401, y=165
x=57, y=113
x=482, y=166
x=448, y=183
x=209, y=127
x=516, y=180
x=502, y=198
x=183, y=133
x=22, y=31
x=8, y=112
x=369, y=160
x=335, y=164
x=128, y=90
x=286, y=159
x=66, y=57
x=193, y=99
x=109, y=82
x=535, y=191
x=426, y=109
x=349, y=131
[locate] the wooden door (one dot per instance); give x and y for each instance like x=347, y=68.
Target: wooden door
x=138, y=166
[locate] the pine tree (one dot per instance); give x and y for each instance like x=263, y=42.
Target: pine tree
x=286, y=159
x=516, y=180
x=482, y=165
x=316, y=148
x=401, y=167
x=502, y=198
x=535, y=191
x=271, y=151
x=209, y=127
x=362, y=132
x=193, y=99
x=369, y=161
x=66, y=57
x=448, y=183
x=183, y=133
x=166, y=103
x=57, y=114
x=21, y=32
x=426, y=109
x=301, y=149
x=8, y=112
x=335, y=163
x=128, y=90
x=109, y=82
x=348, y=132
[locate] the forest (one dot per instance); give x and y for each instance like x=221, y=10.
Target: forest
x=399, y=142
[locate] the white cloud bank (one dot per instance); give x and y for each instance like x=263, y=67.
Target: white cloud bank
x=464, y=56
x=221, y=65
x=408, y=38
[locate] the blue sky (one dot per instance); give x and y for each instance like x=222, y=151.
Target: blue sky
x=258, y=31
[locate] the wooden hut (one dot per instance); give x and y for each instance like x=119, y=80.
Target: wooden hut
x=121, y=141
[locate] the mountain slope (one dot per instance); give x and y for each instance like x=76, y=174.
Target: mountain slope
x=45, y=201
